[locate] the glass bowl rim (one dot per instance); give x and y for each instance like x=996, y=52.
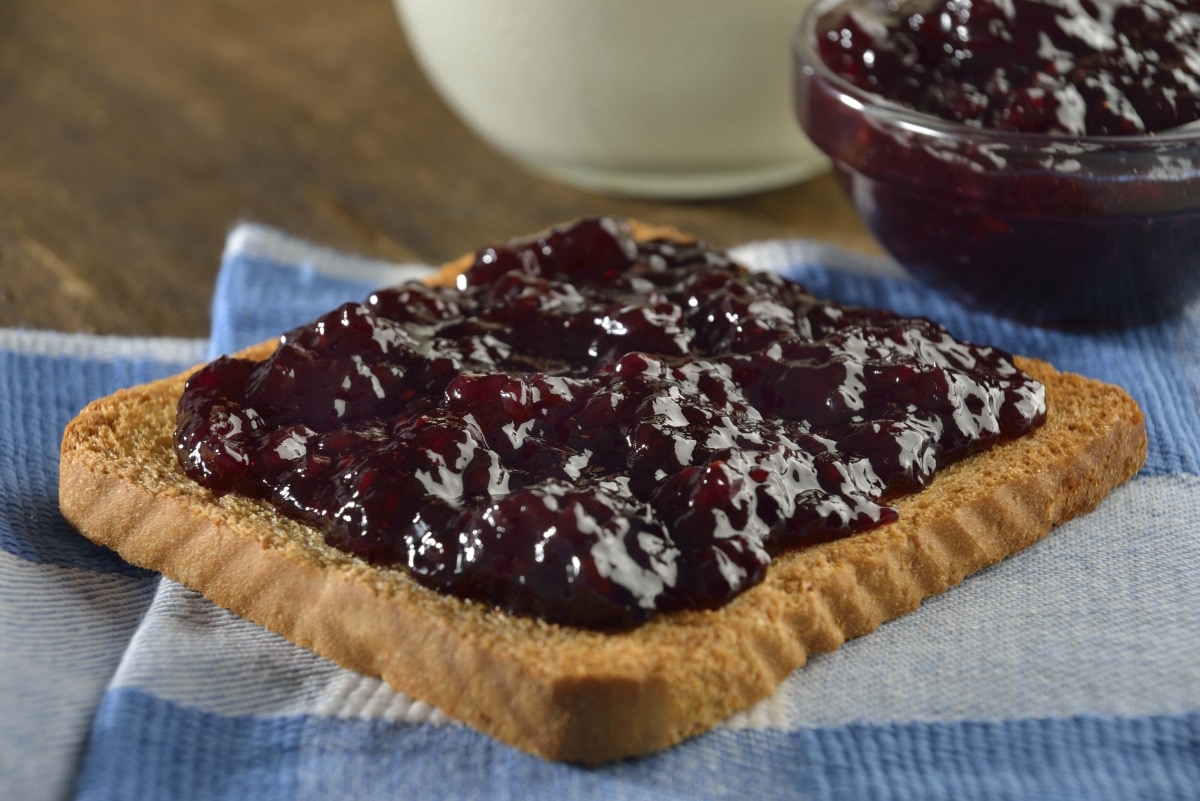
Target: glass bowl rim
x=884, y=111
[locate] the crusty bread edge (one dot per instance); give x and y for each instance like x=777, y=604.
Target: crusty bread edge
x=577, y=695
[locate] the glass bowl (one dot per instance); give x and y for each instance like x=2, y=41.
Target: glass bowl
x=1068, y=231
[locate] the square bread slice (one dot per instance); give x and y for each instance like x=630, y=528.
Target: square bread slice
x=571, y=694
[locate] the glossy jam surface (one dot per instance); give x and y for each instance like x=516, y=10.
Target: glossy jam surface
x=1074, y=67
x=962, y=131
x=593, y=430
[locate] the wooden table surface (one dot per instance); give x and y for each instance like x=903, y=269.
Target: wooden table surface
x=135, y=133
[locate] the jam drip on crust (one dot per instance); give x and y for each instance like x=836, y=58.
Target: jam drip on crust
x=594, y=430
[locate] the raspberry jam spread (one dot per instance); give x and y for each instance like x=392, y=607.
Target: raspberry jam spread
x=591, y=429
x=1074, y=67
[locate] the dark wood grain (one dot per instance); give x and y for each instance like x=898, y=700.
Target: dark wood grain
x=135, y=133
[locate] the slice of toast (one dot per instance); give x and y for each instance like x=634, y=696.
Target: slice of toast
x=572, y=694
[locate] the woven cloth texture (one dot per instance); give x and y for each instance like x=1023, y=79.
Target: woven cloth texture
x=1070, y=671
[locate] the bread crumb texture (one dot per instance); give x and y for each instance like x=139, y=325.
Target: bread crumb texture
x=570, y=694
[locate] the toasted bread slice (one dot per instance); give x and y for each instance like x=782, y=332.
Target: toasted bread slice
x=572, y=694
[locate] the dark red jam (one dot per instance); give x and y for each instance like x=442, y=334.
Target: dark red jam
x=593, y=430
x=1004, y=203
x=1075, y=67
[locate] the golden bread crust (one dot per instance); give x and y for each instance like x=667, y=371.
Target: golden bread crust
x=572, y=694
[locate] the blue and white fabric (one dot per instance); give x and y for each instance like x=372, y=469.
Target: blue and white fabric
x=1071, y=671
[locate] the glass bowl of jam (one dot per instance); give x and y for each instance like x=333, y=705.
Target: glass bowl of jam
x=1036, y=158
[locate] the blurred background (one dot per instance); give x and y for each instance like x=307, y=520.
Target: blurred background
x=134, y=134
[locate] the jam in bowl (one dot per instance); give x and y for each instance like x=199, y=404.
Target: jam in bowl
x=1038, y=159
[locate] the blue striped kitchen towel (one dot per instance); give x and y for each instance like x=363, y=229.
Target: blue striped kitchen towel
x=1071, y=671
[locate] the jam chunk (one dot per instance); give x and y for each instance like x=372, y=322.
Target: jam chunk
x=1083, y=67
x=593, y=429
